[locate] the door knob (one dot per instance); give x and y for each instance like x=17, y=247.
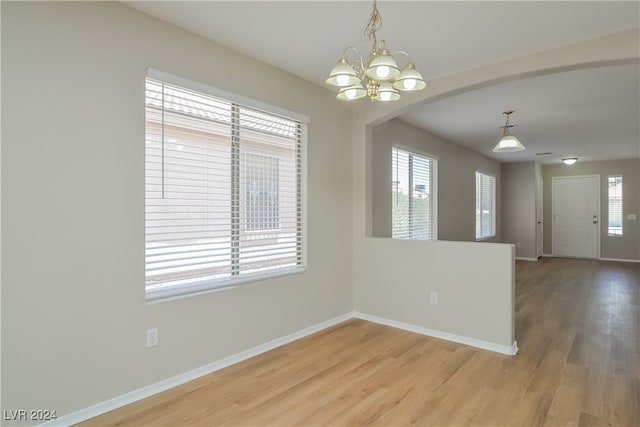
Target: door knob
x=595, y=222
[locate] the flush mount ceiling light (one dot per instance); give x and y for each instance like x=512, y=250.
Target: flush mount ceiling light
x=569, y=160
x=381, y=79
x=508, y=143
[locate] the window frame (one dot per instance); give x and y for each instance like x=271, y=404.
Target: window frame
x=181, y=290
x=433, y=190
x=492, y=212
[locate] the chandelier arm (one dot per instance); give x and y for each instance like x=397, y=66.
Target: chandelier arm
x=403, y=52
x=358, y=67
x=348, y=48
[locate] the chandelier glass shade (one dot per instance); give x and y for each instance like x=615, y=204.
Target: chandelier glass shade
x=508, y=143
x=381, y=79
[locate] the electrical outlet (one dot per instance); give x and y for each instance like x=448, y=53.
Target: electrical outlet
x=517, y=244
x=152, y=337
x=434, y=297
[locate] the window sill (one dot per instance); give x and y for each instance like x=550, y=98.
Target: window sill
x=178, y=292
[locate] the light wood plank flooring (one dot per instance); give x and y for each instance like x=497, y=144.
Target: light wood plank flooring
x=578, y=329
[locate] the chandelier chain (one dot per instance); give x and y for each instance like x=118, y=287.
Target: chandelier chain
x=374, y=24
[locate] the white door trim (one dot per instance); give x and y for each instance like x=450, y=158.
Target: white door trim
x=539, y=216
x=553, y=210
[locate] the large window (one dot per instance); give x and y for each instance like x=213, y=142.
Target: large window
x=224, y=190
x=614, y=226
x=485, y=205
x=414, y=196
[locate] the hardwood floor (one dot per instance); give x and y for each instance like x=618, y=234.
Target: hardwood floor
x=577, y=326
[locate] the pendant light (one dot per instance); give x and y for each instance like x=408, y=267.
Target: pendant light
x=508, y=143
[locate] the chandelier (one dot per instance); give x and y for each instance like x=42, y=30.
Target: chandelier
x=508, y=143
x=381, y=79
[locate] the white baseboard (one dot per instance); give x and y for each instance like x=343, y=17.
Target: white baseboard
x=604, y=259
x=150, y=390
x=486, y=345
x=526, y=259
x=619, y=260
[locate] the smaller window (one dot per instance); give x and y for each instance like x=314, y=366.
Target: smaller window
x=614, y=226
x=485, y=205
x=413, y=191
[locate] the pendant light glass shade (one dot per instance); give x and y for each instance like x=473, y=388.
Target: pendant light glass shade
x=343, y=75
x=386, y=92
x=352, y=92
x=410, y=79
x=382, y=67
x=508, y=144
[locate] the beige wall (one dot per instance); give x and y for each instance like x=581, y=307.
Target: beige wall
x=474, y=283
x=519, y=207
x=73, y=305
x=626, y=247
x=456, y=193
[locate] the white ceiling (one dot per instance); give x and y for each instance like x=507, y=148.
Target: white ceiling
x=592, y=114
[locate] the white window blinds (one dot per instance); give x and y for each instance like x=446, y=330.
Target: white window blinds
x=413, y=196
x=614, y=227
x=223, y=192
x=485, y=205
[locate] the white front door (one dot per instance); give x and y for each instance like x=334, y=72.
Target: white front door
x=576, y=216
